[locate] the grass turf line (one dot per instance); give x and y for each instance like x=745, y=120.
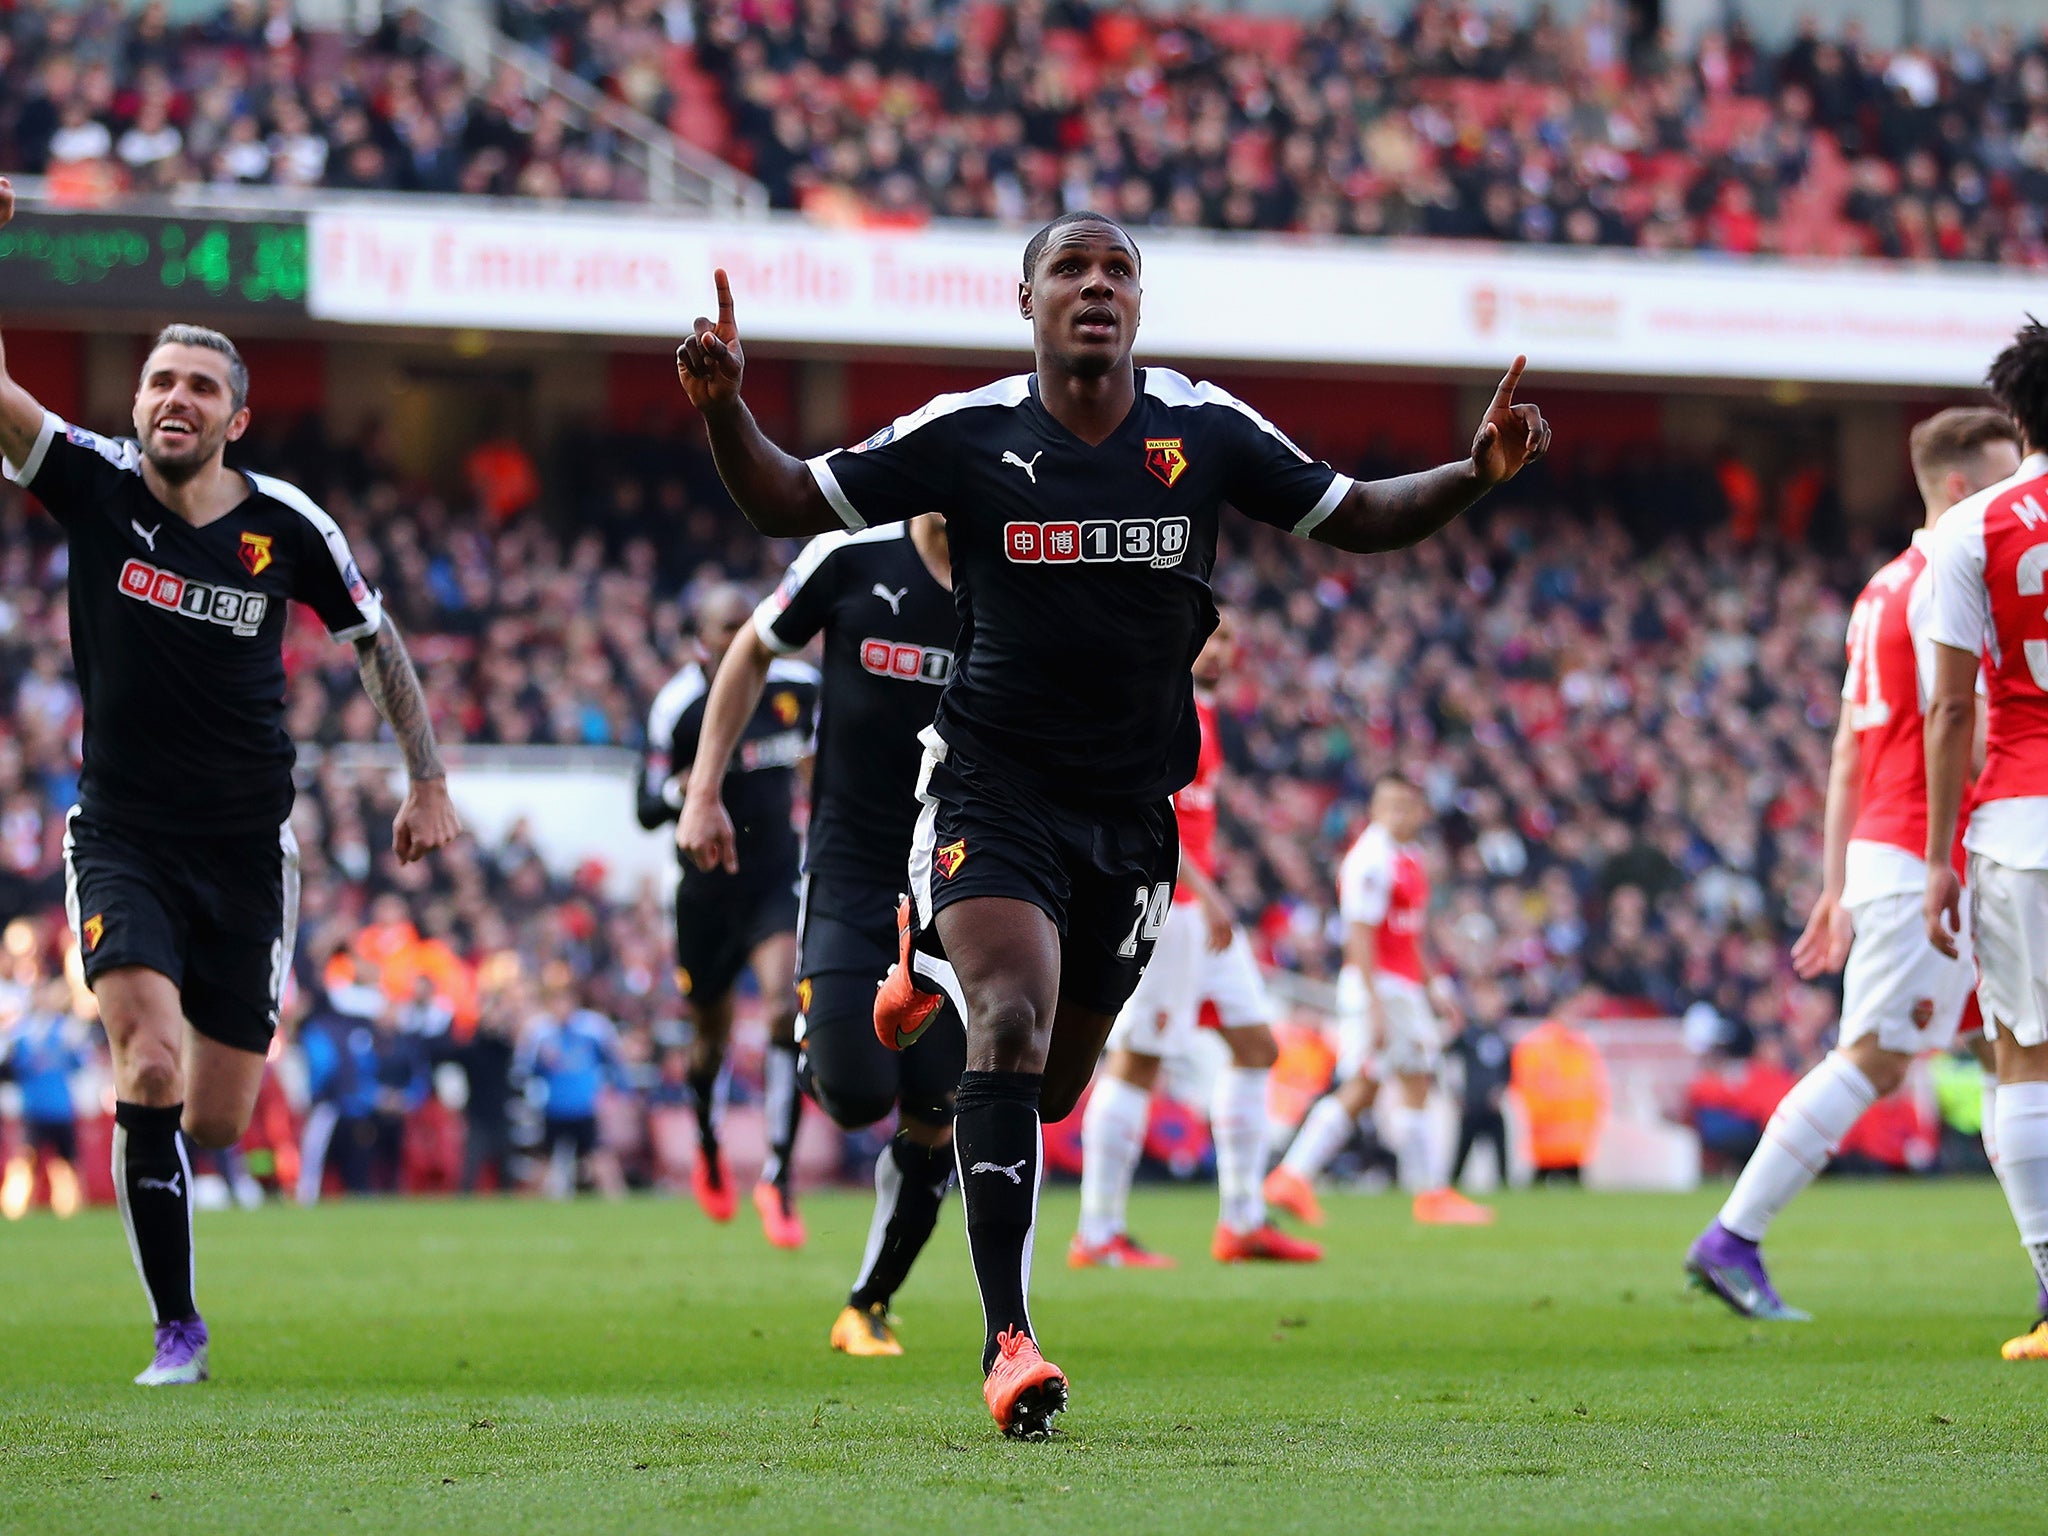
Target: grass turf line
x=520, y=1367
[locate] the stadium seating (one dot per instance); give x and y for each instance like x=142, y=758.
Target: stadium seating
x=1455, y=124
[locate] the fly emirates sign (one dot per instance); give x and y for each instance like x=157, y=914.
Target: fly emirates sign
x=1268, y=299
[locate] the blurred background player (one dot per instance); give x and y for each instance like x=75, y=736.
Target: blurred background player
x=883, y=601
x=730, y=920
x=1202, y=955
x=1987, y=560
x=44, y=1051
x=1481, y=1053
x=571, y=1053
x=486, y=1060
x=1900, y=996
x=1387, y=1025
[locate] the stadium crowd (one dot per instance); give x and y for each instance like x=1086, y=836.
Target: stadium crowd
x=1621, y=725
x=1457, y=122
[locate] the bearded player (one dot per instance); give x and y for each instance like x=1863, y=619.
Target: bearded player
x=1202, y=956
x=1987, y=560
x=1082, y=503
x=1900, y=995
x=180, y=868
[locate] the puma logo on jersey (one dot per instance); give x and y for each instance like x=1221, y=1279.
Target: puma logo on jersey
x=1030, y=467
x=147, y=535
x=169, y=1186
x=1014, y=1172
x=893, y=599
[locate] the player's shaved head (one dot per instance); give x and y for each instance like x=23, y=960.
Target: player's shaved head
x=722, y=609
x=1035, y=247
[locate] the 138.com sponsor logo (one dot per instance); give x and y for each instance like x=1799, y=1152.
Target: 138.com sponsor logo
x=1159, y=543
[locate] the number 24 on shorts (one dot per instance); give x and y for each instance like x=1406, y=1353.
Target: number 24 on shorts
x=1153, y=903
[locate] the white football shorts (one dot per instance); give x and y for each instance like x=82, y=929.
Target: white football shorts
x=1899, y=987
x=1161, y=1017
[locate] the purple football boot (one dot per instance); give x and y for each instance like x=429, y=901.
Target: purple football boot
x=180, y=1355
x=1733, y=1269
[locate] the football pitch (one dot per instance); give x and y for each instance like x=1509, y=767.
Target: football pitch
x=517, y=1367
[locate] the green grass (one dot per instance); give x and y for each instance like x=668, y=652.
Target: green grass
x=507, y=1368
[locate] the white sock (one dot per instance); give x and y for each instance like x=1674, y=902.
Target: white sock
x=1804, y=1131
x=1989, y=1129
x=1321, y=1137
x=1112, y=1141
x=1413, y=1141
x=2023, y=1153
x=1237, y=1120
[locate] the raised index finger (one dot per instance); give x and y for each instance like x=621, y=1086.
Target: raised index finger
x=1509, y=380
x=725, y=323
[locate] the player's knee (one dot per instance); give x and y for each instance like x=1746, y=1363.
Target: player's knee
x=151, y=1076
x=852, y=1106
x=1010, y=1032
x=212, y=1130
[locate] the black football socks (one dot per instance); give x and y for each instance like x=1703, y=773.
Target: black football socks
x=153, y=1183
x=706, y=1083
x=997, y=1144
x=910, y=1185
x=783, y=1108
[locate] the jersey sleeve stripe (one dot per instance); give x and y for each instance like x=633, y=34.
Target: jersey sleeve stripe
x=1172, y=388
x=1340, y=487
x=25, y=471
x=821, y=471
x=765, y=615
x=370, y=606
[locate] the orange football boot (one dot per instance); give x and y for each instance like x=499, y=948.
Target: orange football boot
x=1294, y=1195
x=1448, y=1208
x=2031, y=1345
x=1263, y=1242
x=779, y=1221
x=1118, y=1253
x=1024, y=1389
x=717, y=1198
x=902, y=1007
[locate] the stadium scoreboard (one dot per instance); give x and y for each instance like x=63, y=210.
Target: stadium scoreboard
x=149, y=262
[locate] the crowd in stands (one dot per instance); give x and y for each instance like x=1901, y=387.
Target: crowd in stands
x=1455, y=122
x=105, y=98
x=1621, y=721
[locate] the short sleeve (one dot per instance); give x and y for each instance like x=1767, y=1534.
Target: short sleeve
x=903, y=470
x=325, y=577
x=1960, y=614
x=1366, y=889
x=789, y=617
x=1269, y=479
x=67, y=467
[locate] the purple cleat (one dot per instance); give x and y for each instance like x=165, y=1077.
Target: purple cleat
x=1732, y=1268
x=180, y=1355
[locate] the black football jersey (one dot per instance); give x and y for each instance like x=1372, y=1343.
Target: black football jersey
x=889, y=629
x=1081, y=573
x=177, y=633
x=760, y=782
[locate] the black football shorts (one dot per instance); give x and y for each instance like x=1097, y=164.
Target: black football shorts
x=1103, y=875
x=217, y=914
x=719, y=925
x=847, y=944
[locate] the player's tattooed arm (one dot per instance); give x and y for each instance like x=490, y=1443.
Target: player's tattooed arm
x=427, y=819
x=1392, y=514
x=21, y=415
x=773, y=490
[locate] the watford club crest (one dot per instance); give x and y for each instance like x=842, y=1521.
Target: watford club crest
x=1164, y=458
x=949, y=858
x=92, y=930
x=255, y=552
x=786, y=708
x=803, y=995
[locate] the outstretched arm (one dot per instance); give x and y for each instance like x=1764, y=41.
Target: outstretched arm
x=1951, y=722
x=1379, y=515
x=704, y=831
x=427, y=819
x=774, y=490
x=21, y=414
x=1824, y=944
